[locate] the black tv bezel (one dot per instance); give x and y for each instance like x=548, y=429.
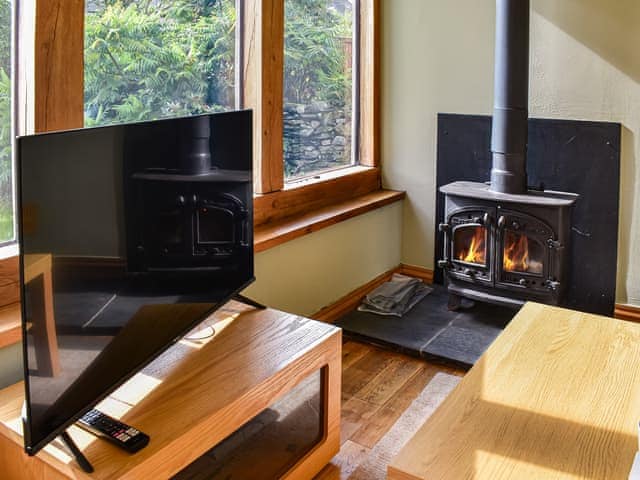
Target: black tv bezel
x=32, y=449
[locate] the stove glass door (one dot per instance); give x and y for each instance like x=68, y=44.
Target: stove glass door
x=470, y=244
x=522, y=253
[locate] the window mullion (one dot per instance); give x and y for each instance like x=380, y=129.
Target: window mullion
x=369, y=83
x=58, y=65
x=263, y=57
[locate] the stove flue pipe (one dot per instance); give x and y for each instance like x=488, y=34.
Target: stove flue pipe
x=511, y=97
x=195, y=146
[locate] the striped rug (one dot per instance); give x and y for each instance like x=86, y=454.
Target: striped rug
x=374, y=465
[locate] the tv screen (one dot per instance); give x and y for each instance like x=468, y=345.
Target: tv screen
x=130, y=235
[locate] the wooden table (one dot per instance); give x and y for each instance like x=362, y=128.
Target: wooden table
x=556, y=396
x=194, y=396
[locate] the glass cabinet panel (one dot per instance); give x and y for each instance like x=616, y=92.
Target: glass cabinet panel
x=271, y=443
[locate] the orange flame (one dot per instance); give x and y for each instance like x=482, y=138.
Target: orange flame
x=476, y=251
x=516, y=253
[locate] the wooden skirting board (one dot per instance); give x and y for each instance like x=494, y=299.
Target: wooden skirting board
x=627, y=312
x=424, y=274
x=349, y=302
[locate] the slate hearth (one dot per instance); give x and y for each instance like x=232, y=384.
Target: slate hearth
x=431, y=331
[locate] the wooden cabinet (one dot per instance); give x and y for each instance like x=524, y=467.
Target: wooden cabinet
x=197, y=394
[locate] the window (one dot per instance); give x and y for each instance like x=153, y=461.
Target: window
x=6, y=124
x=292, y=177
x=154, y=58
x=149, y=59
x=318, y=118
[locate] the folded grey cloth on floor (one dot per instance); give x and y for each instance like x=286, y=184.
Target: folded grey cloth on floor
x=396, y=297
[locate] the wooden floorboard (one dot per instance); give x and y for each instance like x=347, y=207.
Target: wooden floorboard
x=362, y=372
x=384, y=386
x=377, y=387
x=352, y=352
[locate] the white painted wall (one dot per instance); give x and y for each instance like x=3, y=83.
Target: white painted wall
x=438, y=57
x=310, y=272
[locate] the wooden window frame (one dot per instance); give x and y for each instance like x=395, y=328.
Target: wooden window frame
x=52, y=73
x=263, y=68
x=58, y=94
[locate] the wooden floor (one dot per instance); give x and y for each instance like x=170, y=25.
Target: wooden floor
x=377, y=386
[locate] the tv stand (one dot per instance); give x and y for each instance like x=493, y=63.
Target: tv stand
x=196, y=395
x=248, y=301
x=79, y=456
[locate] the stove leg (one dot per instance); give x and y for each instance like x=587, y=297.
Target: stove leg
x=456, y=303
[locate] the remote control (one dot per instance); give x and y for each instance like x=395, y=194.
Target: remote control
x=118, y=433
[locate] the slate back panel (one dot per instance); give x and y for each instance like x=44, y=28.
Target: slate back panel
x=565, y=155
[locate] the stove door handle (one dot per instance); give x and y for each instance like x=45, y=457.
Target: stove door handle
x=502, y=221
x=552, y=285
x=555, y=244
x=445, y=263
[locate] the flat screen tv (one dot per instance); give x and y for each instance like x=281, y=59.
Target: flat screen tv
x=130, y=236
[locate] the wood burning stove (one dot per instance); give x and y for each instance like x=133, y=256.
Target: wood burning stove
x=506, y=248
x=504, y=242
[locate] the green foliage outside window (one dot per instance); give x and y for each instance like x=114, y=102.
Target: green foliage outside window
x=6, y=194
x=158, y=58
x=314, y=52
x=317, y=86
x=148, y=59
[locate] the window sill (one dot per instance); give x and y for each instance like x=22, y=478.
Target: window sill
x=9, y=280
x=10, y=325
x=9, y=251
x=272, y=234
x=326, y=176
x=301, y=197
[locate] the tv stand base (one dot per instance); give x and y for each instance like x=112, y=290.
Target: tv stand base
x=248, y=301
x=79, y=456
